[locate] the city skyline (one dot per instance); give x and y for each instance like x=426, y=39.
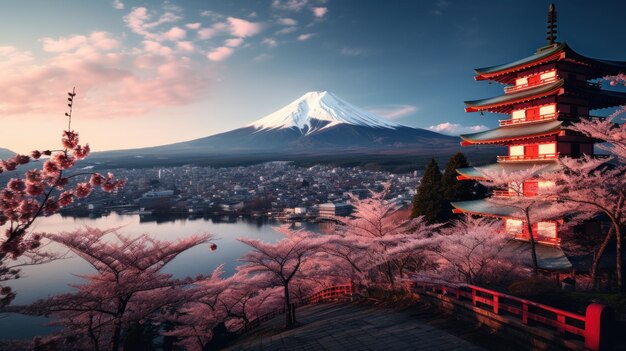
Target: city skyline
x=153, y=73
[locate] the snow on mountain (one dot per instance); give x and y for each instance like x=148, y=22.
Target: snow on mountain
x=319, y=110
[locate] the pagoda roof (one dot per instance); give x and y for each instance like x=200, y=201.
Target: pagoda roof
x=598, y=98
x=505, y=73
x=478, y=173
x=502, y=103
x=510, y=133
x=487, y=208
x=549, y=257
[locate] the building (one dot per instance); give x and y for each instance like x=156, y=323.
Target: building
x=156, y=200
x=544, y=93
x=331, y=209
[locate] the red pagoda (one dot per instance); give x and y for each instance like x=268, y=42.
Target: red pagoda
x=544, y=93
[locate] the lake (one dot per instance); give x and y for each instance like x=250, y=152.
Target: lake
x=53, y=278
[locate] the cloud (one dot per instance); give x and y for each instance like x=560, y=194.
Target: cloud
x=456, y=129
x=319, y=12
x=262, y=57
x=242, y=28
x=289, y=5
x=185, y=46
x=307, y=36
x=138, y=20
x=156, y=48
x=287, y=22
x=393, y=111
x=98, y=40
x=234, y=42
x=351, y=52
x=270, y=42
x=112, y=80
x=174, y=34
x=118, y=5
x=286, y=30
x=194, y=26
x=220, y=54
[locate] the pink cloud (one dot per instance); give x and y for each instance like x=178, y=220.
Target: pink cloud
x=456, y=129
x=220, y=53
x=99, y=40
x=194, y=26
x=174, y=34
x=186, y=46
x=242, y=28
x=233, y=42
x=138, y=20
x=208, y=33
x=156, y=48
x=319, y=12
x=118, y=5
x=122, y=83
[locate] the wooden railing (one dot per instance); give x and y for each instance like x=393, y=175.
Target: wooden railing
x=504, y=193
x=334, y=293
x=523, y=120
x=527, y=312
x=516, y=88
x=539, y=157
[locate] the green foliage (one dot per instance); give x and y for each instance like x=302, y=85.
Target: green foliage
x=428, y=201
x=455, y=190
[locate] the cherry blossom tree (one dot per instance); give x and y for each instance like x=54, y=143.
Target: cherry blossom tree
x=127, y=289
x=531, y=208
x=596, y=185
x=376, y=240
x=472, y=251
x=40, y=192
x=281, y=262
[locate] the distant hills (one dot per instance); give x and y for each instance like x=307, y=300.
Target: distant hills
x=318, y=127
x=6, y=153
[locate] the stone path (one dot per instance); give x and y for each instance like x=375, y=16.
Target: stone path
x=351, y=327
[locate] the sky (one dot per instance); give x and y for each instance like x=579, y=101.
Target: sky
x=157, y=72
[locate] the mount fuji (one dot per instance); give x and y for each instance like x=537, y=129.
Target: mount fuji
x=314, y=125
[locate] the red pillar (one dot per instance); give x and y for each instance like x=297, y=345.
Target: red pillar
x=599, y=320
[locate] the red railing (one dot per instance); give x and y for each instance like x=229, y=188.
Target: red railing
x=516, y=88
x=528, y=312
x=504, y=193
x=538, y=238
x=539, y=157
x=516, y=121
x=334, y=293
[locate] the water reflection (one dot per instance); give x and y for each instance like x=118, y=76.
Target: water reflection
x=53, y=278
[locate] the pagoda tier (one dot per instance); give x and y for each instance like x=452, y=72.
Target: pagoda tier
x=549, y=91
x=505, y=135
x=558, y=54
x=480, y=173
x=545, y=231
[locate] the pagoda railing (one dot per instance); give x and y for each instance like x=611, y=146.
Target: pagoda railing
x=516, y=121
x=522, y=158
x=504, y=193
x=516, y=88
x=538, y=238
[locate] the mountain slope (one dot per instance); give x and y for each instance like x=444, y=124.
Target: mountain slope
x=317, y=123
x=6, y=153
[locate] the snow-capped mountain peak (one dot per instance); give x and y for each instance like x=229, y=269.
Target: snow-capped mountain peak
x=319, y=110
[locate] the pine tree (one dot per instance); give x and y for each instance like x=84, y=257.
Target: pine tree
x=455, y=190
x=428, y=201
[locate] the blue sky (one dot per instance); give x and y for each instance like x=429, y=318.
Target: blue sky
x=152, y=72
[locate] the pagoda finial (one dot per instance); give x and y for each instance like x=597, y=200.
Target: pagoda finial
x=551, y=25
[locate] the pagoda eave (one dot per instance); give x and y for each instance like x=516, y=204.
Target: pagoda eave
x=504, y=103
